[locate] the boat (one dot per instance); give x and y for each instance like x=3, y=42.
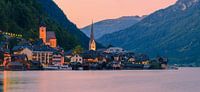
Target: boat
x=51, y=67
x=173, y=67
x=57, y=67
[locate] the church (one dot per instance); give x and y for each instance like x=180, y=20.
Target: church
x=48, y=37
x=92, y=43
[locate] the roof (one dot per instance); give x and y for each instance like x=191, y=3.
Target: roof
x=34, y=48
x=43, y=48
x=20, y=47
x=69, y=52
x=50, y=35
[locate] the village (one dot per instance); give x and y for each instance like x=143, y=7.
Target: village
x=45, y=54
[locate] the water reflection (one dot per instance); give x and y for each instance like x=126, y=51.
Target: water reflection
x=184, y=80
x=5, y=81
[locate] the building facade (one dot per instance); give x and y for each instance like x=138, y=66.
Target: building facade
x=48, y=37
x=77, y=58
x=45, y=57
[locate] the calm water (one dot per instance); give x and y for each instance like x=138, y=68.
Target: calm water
x=182, y=80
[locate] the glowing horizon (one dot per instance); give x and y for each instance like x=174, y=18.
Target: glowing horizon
x=81, y=12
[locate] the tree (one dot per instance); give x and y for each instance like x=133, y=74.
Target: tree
x=78, y=49
x=1, y=57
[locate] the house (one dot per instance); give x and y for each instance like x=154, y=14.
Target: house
x=142, y=59
x=115, y=50
x=163, y=62
x=43, y=53
x=57, y=59
x=90, y=56
x=19, y=58
x=77, y=58
x=7, y=58
x=17, y=50
x=132, y=59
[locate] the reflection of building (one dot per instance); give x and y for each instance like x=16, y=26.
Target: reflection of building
x=92, y=44
x=49, y=37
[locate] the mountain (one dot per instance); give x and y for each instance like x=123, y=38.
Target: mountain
x=111, y=25
x=172, y=32
x=53, y=11
x=24, y=16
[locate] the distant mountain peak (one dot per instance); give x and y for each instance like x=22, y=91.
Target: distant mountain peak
x=131, y=17
x=112, y=25
x=185, y=4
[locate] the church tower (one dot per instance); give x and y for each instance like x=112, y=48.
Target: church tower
x=42, y=32
x=92, y=43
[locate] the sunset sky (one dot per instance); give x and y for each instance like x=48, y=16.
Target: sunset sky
x=82, y=12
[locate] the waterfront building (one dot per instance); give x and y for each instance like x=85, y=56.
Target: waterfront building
x=45, y=57
x=22, y=58
x=77, y=58
x=57, y=59
x=25, y=50
x=90, y=56
x=92, y=43
x=44, y=54
x=132, y=59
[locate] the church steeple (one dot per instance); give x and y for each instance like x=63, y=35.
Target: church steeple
x=92, y=44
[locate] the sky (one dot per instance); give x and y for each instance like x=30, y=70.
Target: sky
x=82, y=12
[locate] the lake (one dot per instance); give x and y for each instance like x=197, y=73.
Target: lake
x=182, y=80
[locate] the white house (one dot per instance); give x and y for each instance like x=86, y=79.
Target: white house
x=77, y=58
x=28, y=52
x=115, y=50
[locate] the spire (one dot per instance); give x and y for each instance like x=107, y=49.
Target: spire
x=92, y=33
x=42, y=23
x=92, y=44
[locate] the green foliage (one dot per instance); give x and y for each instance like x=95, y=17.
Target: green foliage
x=13, y=42
x=67, y=60
x=1, y=58
x=23, y=17
x=171, y=32
x=77, y=50
x=2, y=38
x=155, y=65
